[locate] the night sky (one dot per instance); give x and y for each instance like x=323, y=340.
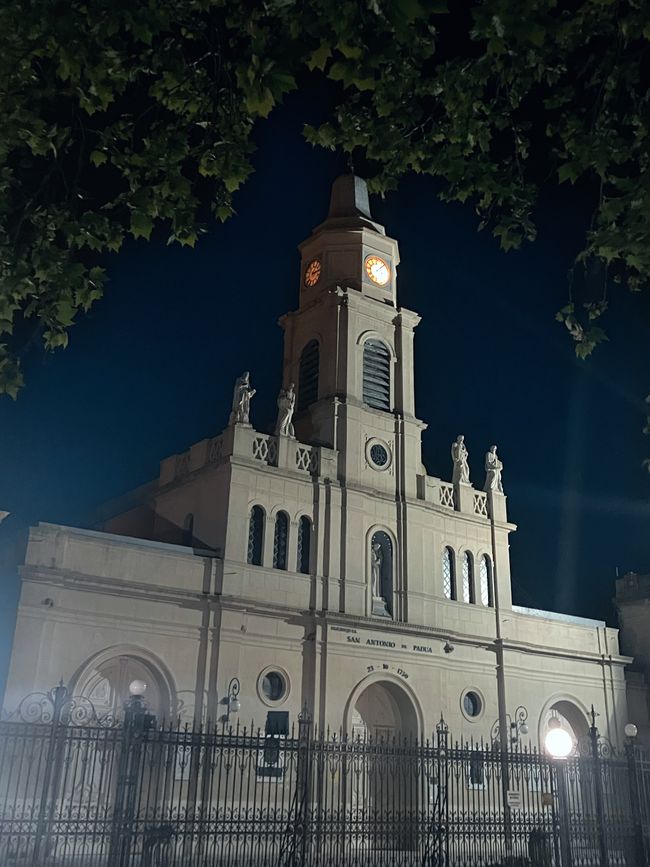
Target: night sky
x=150, y=371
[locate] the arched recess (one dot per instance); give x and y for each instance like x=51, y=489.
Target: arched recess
x=399, y=693
x=381, y=542
x=571, y=713
x=105, y=679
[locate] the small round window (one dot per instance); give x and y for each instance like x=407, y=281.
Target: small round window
x=472, y=704
x=378, y=455
x=274, y=686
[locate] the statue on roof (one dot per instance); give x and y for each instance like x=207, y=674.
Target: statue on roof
x=459, y=456
x=493, y=468
x=241, y=400
x=286, y=407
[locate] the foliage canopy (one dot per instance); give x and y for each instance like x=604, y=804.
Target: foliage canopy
x=118, y=117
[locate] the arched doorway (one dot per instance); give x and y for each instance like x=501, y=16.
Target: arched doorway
x=385, y=779
x=383, y=711
x=105, y=681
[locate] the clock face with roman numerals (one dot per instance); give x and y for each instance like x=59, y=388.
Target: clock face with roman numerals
x=377, y=270
x=312, y=272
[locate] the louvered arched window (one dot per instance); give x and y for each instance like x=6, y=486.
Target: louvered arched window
x=256, y=536
x=468, y=577
x=308, y=375
x=304, y=544
x=485, y=575
x=280, y=541
x=448, y=574
x=376, y=374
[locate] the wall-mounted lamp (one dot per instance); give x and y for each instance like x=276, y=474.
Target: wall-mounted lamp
x=448, y=648
x=631, y=731
x=233, y=705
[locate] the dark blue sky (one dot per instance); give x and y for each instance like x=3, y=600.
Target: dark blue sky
x=150, y=371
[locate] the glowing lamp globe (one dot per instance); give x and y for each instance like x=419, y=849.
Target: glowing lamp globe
x=631, y=730
x=523, y=729
x=558, y=743
x=137, y=687
x=235, y=707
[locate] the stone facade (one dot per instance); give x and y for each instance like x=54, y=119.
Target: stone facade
x=251, y=555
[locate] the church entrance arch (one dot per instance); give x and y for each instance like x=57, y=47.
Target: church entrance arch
x=384, y=721
x=383, y=711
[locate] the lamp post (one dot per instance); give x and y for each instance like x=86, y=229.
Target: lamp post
x=639, y=859
x=559, y=746
x=137, y=720
x=232, y=700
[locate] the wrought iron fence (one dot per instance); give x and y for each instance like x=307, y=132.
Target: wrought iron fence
x=77, y=790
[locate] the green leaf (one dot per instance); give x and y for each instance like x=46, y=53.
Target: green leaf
x=98, y=158
x=319, y=57
x=141, y=225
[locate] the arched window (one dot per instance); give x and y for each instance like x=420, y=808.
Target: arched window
x=188, y=530
x=485, y=575
x=376, y=374
x=381, y=568
x=448, y=574
x=468, y=577
x=256, y=536
x=304, y=545
x=308, y=375
x=280, y=541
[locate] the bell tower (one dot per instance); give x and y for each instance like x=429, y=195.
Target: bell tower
x=349, y=348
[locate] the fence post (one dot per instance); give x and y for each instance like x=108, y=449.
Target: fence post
x=633, y=783
x=58, y=696
x=442, y=795
x=136, y=721
x=303, y=779
x=598, y=791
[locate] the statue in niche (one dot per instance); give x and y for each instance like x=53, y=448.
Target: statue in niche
x=241, y=400
x=376, y=561
x=286, y=406
x=493, y=468
x=459, y=456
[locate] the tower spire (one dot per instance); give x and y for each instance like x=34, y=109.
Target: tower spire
x=349, y=198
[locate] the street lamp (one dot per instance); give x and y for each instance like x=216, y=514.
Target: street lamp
x=559, y=746
x=558, y=742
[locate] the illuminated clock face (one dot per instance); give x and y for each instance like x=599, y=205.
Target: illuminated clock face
x=377, y=270
x=312, y=272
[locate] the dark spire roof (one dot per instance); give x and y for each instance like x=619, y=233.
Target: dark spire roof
x=349, y=206
x=349, y=198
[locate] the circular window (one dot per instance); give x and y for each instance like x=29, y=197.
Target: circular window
x=472, y=704
x=273, y=686
x=378, y=454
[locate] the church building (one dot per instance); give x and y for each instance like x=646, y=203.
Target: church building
x=320, y=566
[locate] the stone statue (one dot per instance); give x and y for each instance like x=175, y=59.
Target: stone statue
x=459, y=455
x=241, y=400
x=286, y=406
x=376, y=559
x=493, y=468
